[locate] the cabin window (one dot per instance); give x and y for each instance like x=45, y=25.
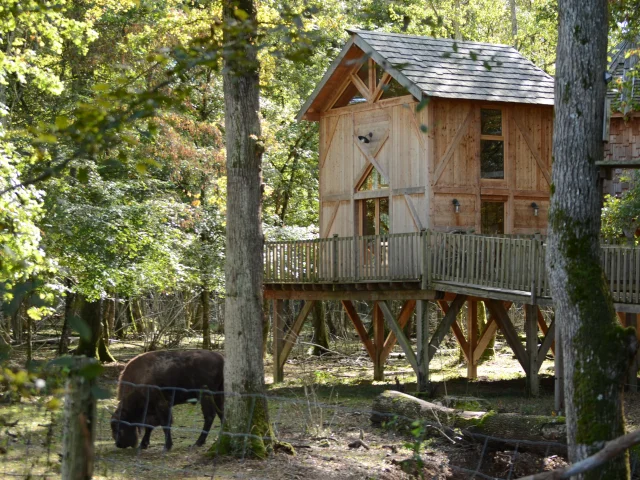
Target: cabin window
x=491, y=144
x=350, y=96
x=374, y=213
x=373, y=181
x=492, y=218
x=393, y=89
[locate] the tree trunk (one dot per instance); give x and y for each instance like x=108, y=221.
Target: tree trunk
x=118, y=323
x=514, y=20
x=206, y=313
x=94, y=346
x=246, y=410
x=69, y=311
x=320, y=333
x=29, y=338
x=596, y=350
x=404, y=410
x=196, y=320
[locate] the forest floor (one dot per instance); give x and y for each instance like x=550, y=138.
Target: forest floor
x=322, y=406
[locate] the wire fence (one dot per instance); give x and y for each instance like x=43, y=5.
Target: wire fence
x=333, y=437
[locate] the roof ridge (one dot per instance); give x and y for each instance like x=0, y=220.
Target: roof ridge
x=425, y=37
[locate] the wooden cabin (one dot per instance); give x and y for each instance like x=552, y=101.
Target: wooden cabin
x=622, y=131
x=422, y=139
x=417, y=132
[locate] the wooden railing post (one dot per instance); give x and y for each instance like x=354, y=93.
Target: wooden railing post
x=424, y=242
x=79, y=431
x=334, y=273
x=355, y=258
x=534, y=266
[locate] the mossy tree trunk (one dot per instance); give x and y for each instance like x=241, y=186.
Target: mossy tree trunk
x=597, y=351
x=320, y=332
x=246, y=410
x=69, y=310
x=91, y=313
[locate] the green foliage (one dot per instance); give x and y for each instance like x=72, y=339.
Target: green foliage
x=620, y=216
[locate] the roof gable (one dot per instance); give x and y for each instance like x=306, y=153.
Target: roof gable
x=440, y=68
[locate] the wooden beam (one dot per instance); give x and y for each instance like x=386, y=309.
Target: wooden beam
x=547, y=342
x=371, y=295
x=378, y=342
x=422, y=338
x=405, y=314
x=453, y=145
x=294, y=331
x=536, y=155
x=327, y=229
x=362, y=88
x=371, y=159
x=278, y=324
x=379, y=89
x=504, y=323
x=445, y=324
x=400, y=336
x=472, y=328
x=414, y=213
x=325, y=150
x=485, y=338
x=362, y=332
x=457, y=331
x=531, y=331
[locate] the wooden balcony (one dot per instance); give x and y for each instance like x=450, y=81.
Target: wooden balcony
x=510, y=268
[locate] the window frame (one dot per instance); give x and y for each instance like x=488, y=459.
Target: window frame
x=500, y=138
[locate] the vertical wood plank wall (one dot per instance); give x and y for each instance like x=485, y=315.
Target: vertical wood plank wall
x=427, y=170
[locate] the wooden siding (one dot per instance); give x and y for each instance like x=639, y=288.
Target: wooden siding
x=454, y=166
x=624, y=140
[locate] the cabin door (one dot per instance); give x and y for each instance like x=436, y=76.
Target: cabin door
x=492, y=217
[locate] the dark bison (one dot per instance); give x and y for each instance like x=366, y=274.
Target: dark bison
x=153, y=382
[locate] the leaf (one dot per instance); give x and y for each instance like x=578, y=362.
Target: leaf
x=473, y=55
x=241, y=14
x=80, y=326
x=91, y=370
x=62, y=122
x=53, y=404
x=100, y=393
x=66, y=361
x=141, y=168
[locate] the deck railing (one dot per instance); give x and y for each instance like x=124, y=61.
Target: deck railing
x=509, y=263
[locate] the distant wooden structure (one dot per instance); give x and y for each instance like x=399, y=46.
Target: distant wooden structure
x=435, y=171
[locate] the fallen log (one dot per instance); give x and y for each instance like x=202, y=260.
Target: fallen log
x=539, y=432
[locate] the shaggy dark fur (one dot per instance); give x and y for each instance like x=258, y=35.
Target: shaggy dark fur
x=147, y=404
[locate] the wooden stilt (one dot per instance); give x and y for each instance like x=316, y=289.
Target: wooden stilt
x=378, y=343
x=531, y=330
x=422, y=330
x=278, y=340
x=472, y=328
x=559, y=373
x=292, y=335
x=402, y=338
x=631, y=320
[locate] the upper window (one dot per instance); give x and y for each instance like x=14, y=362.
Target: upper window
x=373, y=181
x=491, y=144
x=393, y=89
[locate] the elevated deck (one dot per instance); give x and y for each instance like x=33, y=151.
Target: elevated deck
x=431, y=264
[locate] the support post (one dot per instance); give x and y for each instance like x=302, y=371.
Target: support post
x=79, y=422
x=422, y=330
x=278, y=340
x=378, y=343
x=424, y=243
x=631, y=320
x=472, y=328
x=559, y=372
x=531, y=330
x=334, y=273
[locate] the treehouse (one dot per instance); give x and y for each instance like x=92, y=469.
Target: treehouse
x=435, y=173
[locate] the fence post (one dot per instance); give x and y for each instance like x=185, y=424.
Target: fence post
x=334, y=274
x=79, y=429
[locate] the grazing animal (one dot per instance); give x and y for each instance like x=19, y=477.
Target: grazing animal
x=153, y=382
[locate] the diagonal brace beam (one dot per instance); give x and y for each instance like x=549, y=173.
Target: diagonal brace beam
x=445, y=324
x=400, y=336
x=293, y=333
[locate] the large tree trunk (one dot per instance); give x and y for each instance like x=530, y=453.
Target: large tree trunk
x=206, y=313
x=514, y=20
x=596, y=350
x=91, y=313
x=246, y=410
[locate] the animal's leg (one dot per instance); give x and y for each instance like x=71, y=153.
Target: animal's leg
x=208, y=410
x=144, y=444
x=168, y=443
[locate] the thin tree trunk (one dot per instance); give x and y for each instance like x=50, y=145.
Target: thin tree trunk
x=206, y=313
x=596, y=350
x=196, y=321
x=63, y=346
x=320, y=333
x=118, y=324
x=514, y=20
x=91, y=314
x=246, y=410
x=29, y=339
x=456, y=21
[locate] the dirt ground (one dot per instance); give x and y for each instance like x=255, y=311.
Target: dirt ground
x=323, y=405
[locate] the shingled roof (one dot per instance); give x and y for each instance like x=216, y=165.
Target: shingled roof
x=449, y=68
x=622, y=63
